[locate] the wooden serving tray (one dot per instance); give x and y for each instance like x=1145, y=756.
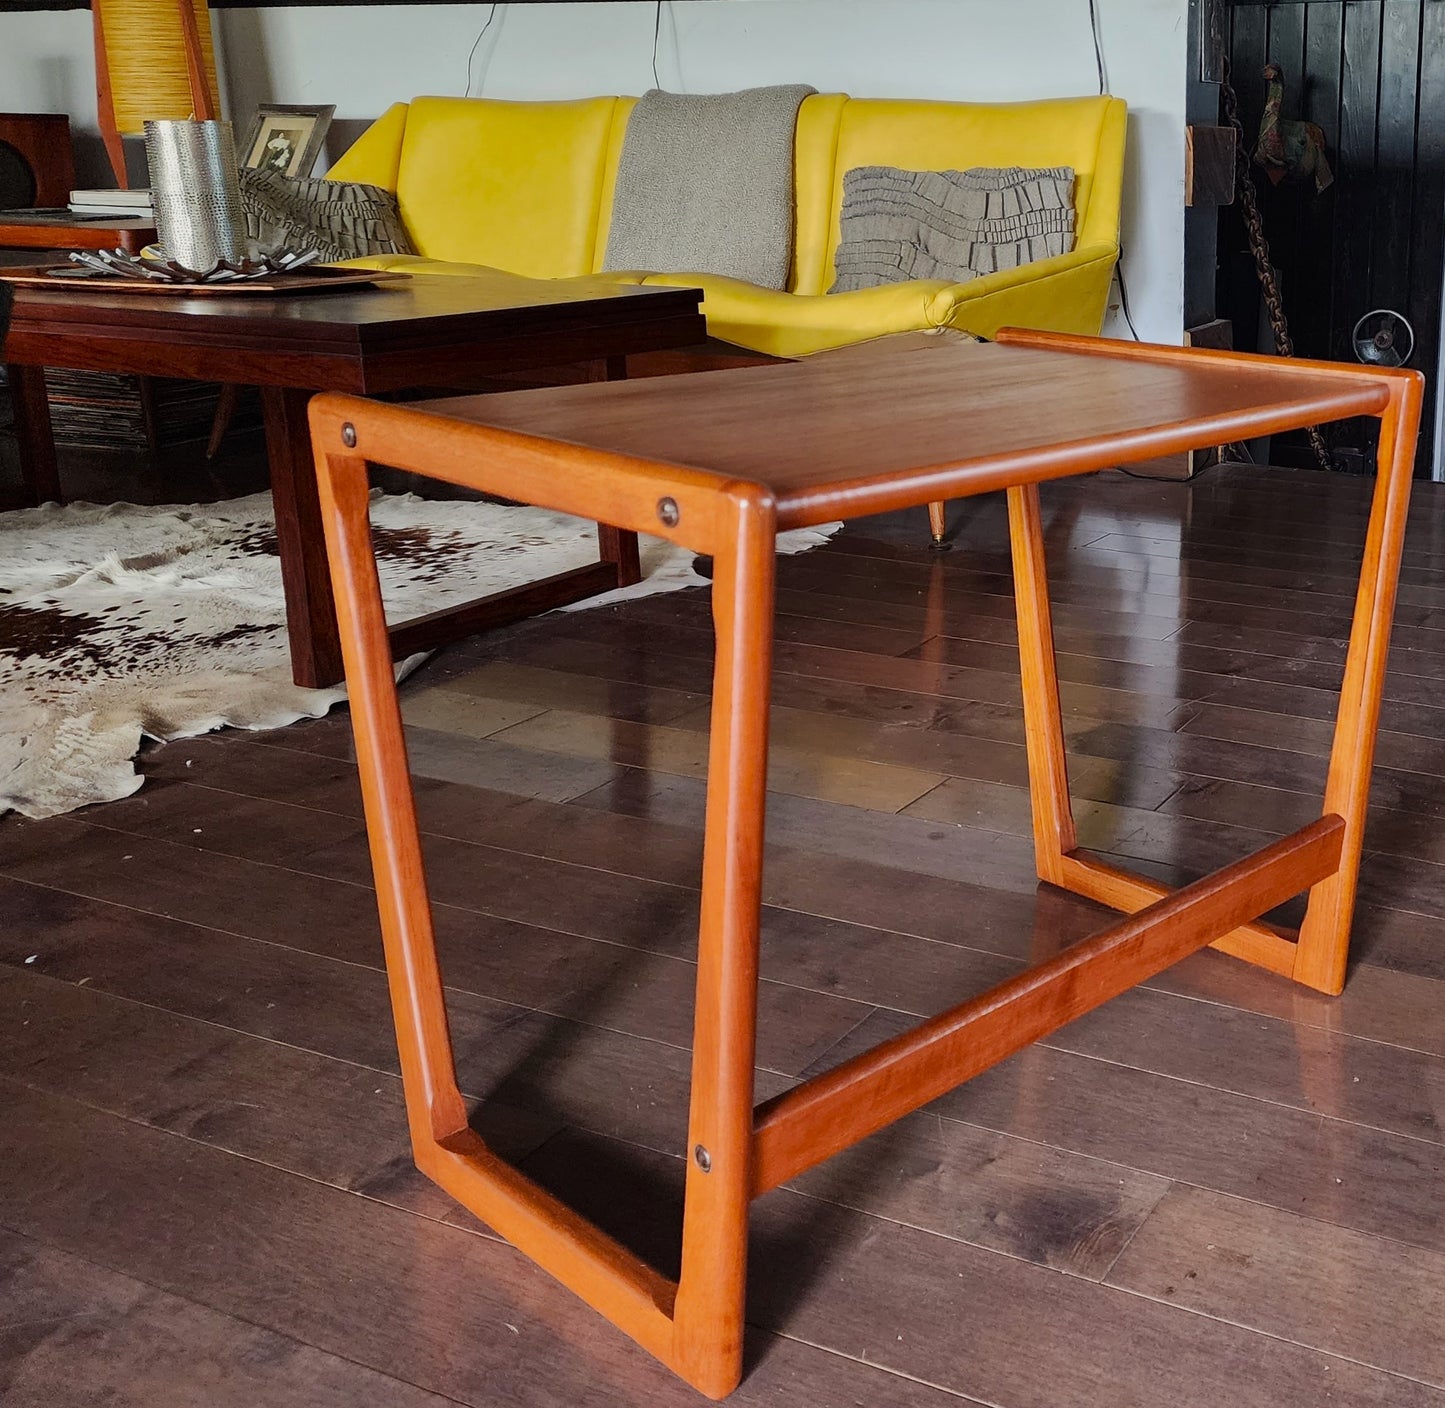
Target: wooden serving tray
x=310, y=280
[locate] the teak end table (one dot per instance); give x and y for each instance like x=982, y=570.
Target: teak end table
x=720, y=464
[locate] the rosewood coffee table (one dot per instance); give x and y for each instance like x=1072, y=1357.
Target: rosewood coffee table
x=721, y=463
x=420, y=332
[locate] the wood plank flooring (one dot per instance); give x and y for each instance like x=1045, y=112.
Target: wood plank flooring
x=1216, y=1189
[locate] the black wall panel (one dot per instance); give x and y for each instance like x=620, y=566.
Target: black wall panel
x=1371, y=73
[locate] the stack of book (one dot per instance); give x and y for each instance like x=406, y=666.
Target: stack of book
x=129, y=205
x=121, y=412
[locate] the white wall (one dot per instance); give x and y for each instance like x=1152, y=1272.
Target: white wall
x=47, y=64
x=362, y=58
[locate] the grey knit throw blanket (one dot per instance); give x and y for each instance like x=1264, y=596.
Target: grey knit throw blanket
x=705, y=185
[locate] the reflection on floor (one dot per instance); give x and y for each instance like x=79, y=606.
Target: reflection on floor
x=1216, y=1189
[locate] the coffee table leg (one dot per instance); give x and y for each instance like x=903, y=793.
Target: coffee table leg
x=1325, y=934
x=614, y=544
x=708, y=1314
x=33, y=434
x=619, y=547
x=310, y=606
x=1053, y=814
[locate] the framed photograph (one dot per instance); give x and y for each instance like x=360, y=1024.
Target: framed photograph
x=286, y=138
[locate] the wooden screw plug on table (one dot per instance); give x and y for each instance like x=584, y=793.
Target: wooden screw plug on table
x=720, y=464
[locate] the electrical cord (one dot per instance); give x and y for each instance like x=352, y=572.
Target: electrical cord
x=1103, y=90
x=1124, y=296
x=1098, y=46
x=656, y=34
x=476, y=44
x=1152, y=478
x=1243, y=457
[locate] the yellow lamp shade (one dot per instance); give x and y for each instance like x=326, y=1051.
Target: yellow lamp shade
x=151, y=61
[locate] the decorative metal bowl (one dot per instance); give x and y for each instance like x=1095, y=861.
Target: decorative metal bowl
x=156, y=268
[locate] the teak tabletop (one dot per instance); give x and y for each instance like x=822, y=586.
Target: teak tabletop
x=719, y=463
x=420, y=332
x=888, y=424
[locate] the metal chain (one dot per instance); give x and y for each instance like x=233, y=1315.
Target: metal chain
x=1259, y=249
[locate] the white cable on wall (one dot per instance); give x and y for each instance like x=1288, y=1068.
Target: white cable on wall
x=476, y=44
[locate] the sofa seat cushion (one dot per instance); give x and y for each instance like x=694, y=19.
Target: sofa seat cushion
x=1065, y=294
x=794, y=324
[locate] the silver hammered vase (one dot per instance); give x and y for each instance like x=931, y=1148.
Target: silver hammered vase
x=195, y=192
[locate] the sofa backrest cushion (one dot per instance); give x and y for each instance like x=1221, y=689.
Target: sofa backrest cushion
x=374, y=158
x=513, y=185
x=941, y=136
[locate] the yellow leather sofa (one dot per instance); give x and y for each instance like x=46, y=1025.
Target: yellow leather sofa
x=527, y=188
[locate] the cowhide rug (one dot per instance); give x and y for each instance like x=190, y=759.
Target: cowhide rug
x=122, y=621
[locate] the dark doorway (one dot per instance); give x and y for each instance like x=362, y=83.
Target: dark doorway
x=1371, y=73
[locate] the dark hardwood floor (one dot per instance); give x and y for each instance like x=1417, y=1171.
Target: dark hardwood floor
x=1217, y=1189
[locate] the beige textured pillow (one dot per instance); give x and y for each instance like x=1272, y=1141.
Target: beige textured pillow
x=342, y=219
x=955, y=225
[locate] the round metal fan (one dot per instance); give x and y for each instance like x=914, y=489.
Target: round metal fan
x=1383, y=338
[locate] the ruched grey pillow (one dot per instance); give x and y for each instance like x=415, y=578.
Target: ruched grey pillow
x=955, y=225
